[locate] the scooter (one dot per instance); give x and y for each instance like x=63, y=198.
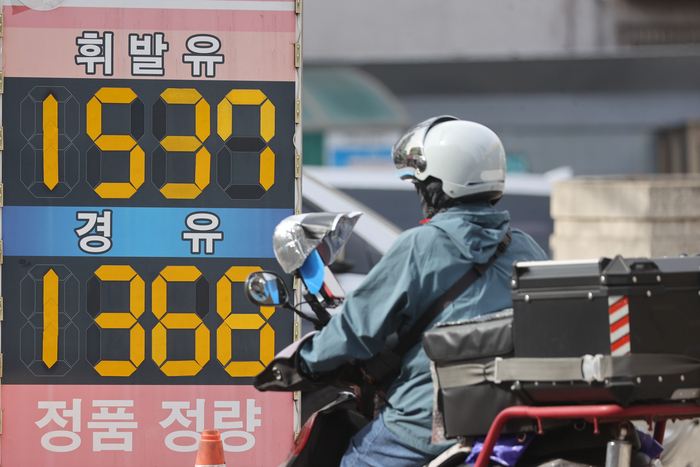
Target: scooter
x=305, y=245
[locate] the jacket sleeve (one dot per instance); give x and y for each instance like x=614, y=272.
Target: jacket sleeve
x=388, y=300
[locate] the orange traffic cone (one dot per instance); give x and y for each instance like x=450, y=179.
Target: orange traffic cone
x=211, y=450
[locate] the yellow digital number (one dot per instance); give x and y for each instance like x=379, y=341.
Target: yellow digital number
x=124, y=320
x=50, y=338
x=171, y=143
x=50, y=130
x=177, y=321
x=137, y=158
x=224, y=307
x=267, y=126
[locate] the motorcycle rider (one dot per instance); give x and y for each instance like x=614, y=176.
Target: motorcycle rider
x=458, y=168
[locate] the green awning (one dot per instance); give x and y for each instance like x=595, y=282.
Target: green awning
x=348, y=98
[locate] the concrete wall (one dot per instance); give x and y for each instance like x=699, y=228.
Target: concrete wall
x=631, y=216
x=408, y=31
x=397, y=31
x=554, y=78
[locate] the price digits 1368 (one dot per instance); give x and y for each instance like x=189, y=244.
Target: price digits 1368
x=52, y=286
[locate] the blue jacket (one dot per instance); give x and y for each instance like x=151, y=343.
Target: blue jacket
x=418, y=268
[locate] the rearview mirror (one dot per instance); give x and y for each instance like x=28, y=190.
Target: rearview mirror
x=265, y=288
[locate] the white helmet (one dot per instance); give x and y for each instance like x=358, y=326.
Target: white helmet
x=467, y=157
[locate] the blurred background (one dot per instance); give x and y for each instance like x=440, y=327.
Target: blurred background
x=572, y=87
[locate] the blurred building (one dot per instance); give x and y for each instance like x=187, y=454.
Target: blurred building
x=603, y=86
x=349, y=117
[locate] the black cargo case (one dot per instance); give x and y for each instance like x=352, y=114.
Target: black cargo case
x=642, y=312
x=622, y=330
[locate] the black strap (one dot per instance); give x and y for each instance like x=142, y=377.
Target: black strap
x=414, y=334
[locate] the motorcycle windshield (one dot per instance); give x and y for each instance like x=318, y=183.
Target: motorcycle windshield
x=296, y=237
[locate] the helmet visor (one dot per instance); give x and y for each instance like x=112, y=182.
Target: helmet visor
x=408, y=153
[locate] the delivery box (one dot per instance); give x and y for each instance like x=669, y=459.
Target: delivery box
x=622, y=330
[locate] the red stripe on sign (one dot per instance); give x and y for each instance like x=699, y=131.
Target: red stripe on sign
x=620, y=342
x=150, y=20
x=618, y=324
x=619, y=304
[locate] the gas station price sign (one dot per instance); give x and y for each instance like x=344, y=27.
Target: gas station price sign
x=148, y=156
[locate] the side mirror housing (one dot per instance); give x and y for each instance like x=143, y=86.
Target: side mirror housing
x=265, y=288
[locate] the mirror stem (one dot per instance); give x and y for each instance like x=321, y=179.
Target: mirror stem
x=317, y=324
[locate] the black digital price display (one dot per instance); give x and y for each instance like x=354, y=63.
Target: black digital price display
x=132, y=214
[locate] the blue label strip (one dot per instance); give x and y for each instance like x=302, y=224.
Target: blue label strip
x=140, y=232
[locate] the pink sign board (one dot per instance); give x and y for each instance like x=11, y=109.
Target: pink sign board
x=141, y=425
x=148, y=155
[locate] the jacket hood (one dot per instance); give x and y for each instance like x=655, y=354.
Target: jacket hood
x=476, y=229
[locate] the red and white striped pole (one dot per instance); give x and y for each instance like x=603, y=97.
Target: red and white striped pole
x=619, y=311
